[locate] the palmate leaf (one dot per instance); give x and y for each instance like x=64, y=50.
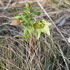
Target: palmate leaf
x=37, y=33
x=45, y=29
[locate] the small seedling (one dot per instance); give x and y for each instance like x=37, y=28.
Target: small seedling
x=31, y=27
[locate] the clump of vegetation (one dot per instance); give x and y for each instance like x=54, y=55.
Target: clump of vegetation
x=43, y=54
x=31, y=26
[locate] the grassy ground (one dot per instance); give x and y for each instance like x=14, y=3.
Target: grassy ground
x=48, y=53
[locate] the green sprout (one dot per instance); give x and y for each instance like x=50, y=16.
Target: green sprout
x=30, y=26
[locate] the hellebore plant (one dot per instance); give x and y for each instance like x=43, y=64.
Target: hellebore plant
x=32, y=27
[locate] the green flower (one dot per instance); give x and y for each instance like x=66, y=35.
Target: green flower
x=41, y=26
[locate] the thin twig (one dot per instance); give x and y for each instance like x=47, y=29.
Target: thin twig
x=1, y=3
x=7, y=5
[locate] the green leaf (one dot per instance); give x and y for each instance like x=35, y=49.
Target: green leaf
x=26, y=33
x=36, y=13
x=46, y=27
x=37, y=33
x=16, y=17
x=36, y=7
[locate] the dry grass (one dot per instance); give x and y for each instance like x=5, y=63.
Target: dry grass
x=49, y=53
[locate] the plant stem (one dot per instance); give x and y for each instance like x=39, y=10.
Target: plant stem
x=31, y=43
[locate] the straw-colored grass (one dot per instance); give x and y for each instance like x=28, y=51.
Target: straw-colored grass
x=48, y=53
